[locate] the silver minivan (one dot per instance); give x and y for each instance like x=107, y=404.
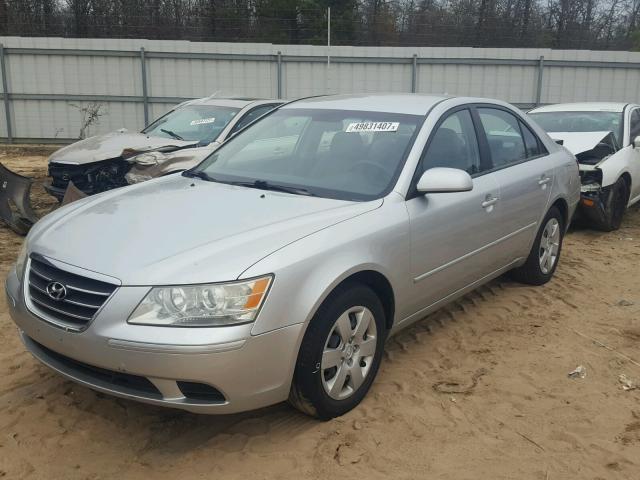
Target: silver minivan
x=277, y=268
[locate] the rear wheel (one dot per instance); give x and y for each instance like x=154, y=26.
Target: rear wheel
x=545, y=253
x=615, y=204
x=340, y=353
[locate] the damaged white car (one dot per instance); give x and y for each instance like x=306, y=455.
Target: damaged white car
x=176, y=141
x=605, y=138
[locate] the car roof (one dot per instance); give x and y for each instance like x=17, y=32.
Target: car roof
x=582, y=107
x=409, y=103
x=234, y=102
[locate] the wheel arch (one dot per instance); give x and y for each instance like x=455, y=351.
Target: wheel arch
x=562, y=205
x=626, y=176
x=379, y=284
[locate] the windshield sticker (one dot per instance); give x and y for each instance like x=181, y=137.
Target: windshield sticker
x=202, y=121
x=372, y=127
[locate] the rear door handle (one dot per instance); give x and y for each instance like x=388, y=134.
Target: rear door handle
x=490, y=201
x=544, y=180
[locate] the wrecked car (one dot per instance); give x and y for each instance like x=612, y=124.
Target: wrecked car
x=605, y=138
x=174, y=142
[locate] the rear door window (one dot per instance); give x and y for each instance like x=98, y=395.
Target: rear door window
x=502, y=129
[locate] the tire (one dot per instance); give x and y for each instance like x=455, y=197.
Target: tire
x=534, y=271
x=615, y=205
x=322, y=389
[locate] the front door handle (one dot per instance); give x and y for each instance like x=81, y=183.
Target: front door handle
x=489, y=201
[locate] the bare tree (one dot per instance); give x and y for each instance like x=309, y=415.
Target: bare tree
x=91, y=114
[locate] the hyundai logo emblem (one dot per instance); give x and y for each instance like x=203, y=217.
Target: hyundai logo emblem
x=57, y=291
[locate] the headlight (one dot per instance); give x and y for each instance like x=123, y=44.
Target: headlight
x=21, y=260
x=212, y=305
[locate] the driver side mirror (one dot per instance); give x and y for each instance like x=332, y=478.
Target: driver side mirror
x=636, y=142
x=441, y=180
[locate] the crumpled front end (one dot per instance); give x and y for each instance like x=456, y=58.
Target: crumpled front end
x=90, y=178
x=593, y=196
x=98, y=164
x=148, y=165
x=591, y=150
x=130, y=167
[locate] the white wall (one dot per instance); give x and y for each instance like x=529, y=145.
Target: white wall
x=94, y=75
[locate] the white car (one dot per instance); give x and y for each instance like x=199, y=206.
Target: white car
x=605, y=138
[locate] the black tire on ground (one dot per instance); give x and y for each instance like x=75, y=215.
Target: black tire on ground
x=307, y=391
x=531, y=272
x=615, y=204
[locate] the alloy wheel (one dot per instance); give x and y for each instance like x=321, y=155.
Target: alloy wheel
x=549, y=245
x=348, y=352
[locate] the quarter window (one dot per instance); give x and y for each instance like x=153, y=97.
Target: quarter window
x=531, y=142
x=503, y=134
x=454, y=145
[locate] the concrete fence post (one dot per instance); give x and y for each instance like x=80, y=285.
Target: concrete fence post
x=279, y=74
x=414, y=73
x=5, y=94
x=145, y=94
x=540, y=78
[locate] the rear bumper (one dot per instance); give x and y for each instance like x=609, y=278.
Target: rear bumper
x=232, y=370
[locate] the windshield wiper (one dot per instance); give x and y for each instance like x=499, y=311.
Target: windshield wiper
x=172, y=134
x=198, y=174
x=264, y=185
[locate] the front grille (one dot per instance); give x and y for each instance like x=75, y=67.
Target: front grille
x=84, y=296
x=118, y=381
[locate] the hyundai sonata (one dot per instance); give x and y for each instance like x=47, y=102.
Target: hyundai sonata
x=277, y=267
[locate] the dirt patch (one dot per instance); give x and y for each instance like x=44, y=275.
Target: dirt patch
x=28, y=150
x=522, y=419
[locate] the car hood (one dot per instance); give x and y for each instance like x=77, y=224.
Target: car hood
x=177, y=230
x=579, y=142
x=110, y=145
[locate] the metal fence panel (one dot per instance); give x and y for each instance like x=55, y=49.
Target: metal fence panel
x=200, y=78
x=135, y=81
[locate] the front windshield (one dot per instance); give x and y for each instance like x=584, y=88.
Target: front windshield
x=192, y=123
x=581, y=122
x=343, y=154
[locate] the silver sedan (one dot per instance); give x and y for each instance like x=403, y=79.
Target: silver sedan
x=277, y=268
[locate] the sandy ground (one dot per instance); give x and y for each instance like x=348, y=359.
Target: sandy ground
x=510, y=346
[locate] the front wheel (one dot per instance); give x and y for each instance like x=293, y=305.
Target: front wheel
x=545, y=253
x=340, y=353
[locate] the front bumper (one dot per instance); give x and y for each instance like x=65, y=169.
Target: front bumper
x=593, y=205
x=153, y=364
